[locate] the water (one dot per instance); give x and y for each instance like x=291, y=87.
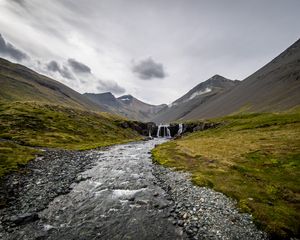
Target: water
x=163, y=131
x=119, y=200
x=180, y=130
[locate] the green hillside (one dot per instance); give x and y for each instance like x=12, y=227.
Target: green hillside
x=29, y=124
x=254, y=158
x=19, y=83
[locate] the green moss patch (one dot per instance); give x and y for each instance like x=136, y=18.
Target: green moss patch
x=13, y=156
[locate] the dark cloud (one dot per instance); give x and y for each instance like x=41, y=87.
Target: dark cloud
x=53, y=66
x=20, y=2
x=110, y=86
x=78, y=67
x=9, y=50
x=148, y=69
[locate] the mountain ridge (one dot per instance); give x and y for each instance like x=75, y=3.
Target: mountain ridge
x=273, y=87
x=19, y=83
x=126, y=105
x=202, y=92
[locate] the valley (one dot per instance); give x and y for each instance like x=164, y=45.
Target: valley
x=110, y=193
x=220, y=162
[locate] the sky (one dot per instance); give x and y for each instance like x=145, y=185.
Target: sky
x=155, y=50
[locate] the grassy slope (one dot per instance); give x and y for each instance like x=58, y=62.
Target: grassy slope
x=32, y=124
x=12, y=156
x=254, y=158
x=19, y=83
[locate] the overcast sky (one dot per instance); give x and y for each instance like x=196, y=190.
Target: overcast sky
x=155, y=50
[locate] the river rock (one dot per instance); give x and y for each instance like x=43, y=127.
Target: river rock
x=24, y=218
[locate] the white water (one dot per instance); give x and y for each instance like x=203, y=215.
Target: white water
x=180, y=129
x=165, y=131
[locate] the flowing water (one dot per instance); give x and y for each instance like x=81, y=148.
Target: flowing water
x=119, y=199
x=180, y=130
x=163, y=131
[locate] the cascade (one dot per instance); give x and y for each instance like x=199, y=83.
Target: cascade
x=163, y=131
x=180, y=130
x=168, y=133
x=158, y=130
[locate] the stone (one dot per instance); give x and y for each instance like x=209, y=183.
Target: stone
x=24, y=218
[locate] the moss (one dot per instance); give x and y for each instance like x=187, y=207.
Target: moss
x=44, y=125
x=14, y=156
x=254, y=158
x=56, y=126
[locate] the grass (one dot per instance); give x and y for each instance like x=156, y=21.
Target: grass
x=13, y=156
x=254, y=158
x=29, y=124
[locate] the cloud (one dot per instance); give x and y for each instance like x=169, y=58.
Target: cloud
x=92, y=82
x=78, y=67
x=110, y=86
x=148, y=69
x=22, y=3
x=9, y=50
x=53, y=66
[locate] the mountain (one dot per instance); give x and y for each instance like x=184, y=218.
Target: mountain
x=274, y=87
x=203, y=92
x=126, y=105
x=107, y=99
x=19, y=83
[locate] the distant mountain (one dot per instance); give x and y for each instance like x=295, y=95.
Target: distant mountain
x=274, y=87
x=19, y=83
x=203, y=92
x=107, y=99
x=126, y=105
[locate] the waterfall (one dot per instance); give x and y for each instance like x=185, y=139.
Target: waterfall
x=158, y=130
x=180, y=130
x=168, y=133
x=165, y=131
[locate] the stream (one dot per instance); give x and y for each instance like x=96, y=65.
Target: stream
x=120, y=195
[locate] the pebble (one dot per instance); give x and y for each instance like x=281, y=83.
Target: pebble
x=200, y=213
x=204, y=213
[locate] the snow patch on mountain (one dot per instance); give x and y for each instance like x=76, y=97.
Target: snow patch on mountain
x=201, y=92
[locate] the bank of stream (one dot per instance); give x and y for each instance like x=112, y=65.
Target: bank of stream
x=115, y=193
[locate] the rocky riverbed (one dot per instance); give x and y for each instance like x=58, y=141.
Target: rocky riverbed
x=202, y=212
x=114, y=193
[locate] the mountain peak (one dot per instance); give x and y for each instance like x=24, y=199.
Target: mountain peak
x=100, y=94
x=218, y=77
x=106, y=98
x=126, y=98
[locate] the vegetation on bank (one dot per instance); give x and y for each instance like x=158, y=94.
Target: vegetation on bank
x=13, y=156
x=29, y=124
x=254, y=158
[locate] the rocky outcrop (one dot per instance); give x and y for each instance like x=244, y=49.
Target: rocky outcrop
x=150, y=127
x=140, y=127
x=199, y=126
